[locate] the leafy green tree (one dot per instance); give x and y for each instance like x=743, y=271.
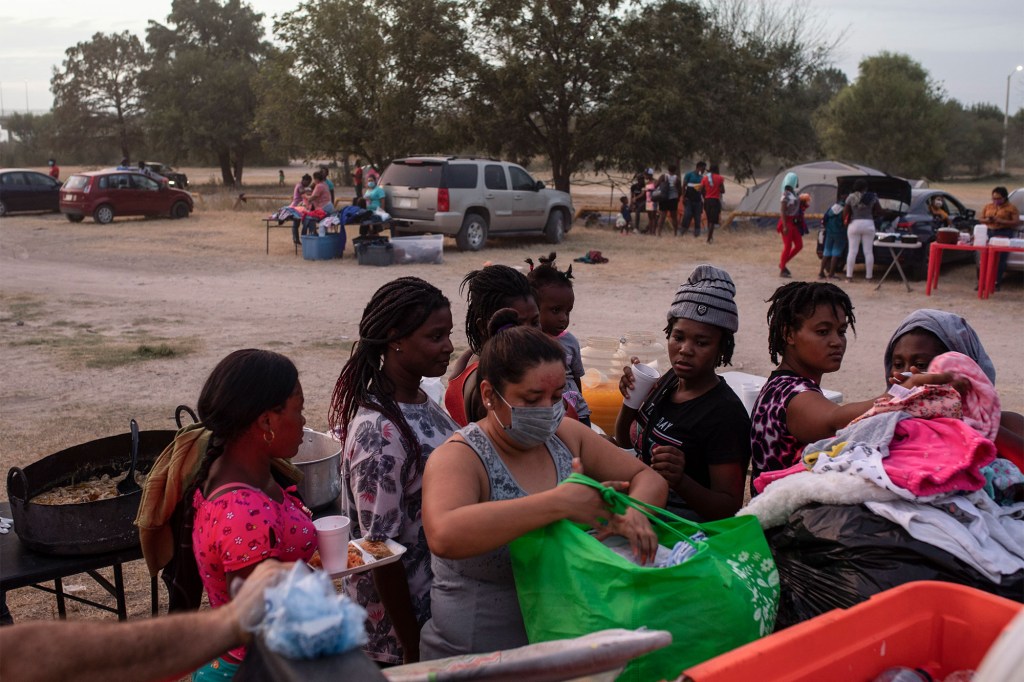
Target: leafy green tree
x=378, y=80
x=545, y=78
x=32, y=139
x=96, y=92
x=200, y=87
x=893, y=117
x=974, y=137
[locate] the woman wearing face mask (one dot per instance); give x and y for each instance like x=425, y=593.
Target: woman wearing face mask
x=497, y=479
x=374, y=194
x=938, y=212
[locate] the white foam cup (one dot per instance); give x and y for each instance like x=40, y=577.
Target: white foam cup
x=644, y=378
x=748, y=396
x=332, y=534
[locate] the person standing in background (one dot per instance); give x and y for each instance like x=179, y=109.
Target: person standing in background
x=326, y=172
x=280, y=178
x=54, y=169
x=712, y=187
x=357, y=178
x=693, y=204
x=1003, y=220
x=789, y=210
x=859, y=212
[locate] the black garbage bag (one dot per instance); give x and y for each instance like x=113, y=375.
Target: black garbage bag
x=835, y=556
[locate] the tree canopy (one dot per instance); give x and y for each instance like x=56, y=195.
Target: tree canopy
x=96, y=93
x=892, y=117
x=200, y=88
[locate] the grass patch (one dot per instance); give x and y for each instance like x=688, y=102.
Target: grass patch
x=75, y=348
x=20, y=308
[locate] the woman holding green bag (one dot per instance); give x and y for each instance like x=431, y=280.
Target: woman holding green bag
x=497, y=479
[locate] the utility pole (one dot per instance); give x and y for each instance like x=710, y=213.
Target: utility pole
x=1006, y=120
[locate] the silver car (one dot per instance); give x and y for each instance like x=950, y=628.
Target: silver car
x=471, y=199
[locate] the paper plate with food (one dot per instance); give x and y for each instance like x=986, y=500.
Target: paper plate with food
x=365, y=554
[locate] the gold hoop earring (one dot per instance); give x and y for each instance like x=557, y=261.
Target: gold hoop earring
x=269, y=440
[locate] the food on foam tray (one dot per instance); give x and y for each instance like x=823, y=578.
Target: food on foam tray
x=90, y=490
x=379, y=550
x=315, y=561
x=355, y=557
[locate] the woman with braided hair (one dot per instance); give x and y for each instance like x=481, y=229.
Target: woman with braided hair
x=489, y=290
x=252, y=403
x=389, y=427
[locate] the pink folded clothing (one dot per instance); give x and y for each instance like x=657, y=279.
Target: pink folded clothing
x=762, y=481
x=981, y=408
x=933, y=456
x=923, y=402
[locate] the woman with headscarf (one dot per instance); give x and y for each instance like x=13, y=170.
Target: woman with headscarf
x=926, y=334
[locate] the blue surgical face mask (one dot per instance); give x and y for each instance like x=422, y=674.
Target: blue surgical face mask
x=532, y=426
x=371, y=184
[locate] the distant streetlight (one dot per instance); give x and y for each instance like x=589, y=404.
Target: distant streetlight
x=1006, y=119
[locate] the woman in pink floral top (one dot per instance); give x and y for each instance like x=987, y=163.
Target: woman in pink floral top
x=252, y=402
x=389, y=428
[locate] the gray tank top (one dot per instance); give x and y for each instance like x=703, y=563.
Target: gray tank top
x=473, y=602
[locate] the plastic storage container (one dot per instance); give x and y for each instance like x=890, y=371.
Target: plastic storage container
x=322, y=248
x=938, y=627
x=373, y=251
x=425, y=249
x=643, y=345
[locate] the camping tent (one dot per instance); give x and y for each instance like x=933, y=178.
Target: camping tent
x=817, y=178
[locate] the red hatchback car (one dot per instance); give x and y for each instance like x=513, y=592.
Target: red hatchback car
x=115, y=192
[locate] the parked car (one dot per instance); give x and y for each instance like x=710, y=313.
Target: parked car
x=472, y=199
x=174, y=178
x=26, y=190
x=1015, y=261
x=108, y=193
x=905, y=211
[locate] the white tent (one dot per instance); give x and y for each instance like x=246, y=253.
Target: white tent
x=817, y=178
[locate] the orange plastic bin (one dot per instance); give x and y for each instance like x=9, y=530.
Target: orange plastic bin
x=940, y=627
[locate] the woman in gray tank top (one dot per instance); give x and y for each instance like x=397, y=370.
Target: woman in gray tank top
x=498, y=478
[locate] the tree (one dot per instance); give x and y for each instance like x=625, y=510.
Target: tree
x=389, y=88
x=892, y=117
x=200, y=90
x=700, y=74
x=974, y=136
x=96, y=92
x=545, y=79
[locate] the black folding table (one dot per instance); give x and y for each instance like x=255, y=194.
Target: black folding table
x=21, y=567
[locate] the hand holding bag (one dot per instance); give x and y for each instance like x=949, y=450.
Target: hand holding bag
x=661, y=192
x=726, y=595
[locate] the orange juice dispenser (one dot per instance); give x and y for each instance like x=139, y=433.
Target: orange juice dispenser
x=601, y=381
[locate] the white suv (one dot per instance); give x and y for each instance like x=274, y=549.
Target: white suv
x=471, y=198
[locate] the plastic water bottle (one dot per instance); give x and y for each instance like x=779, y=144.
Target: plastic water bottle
x=903, y=674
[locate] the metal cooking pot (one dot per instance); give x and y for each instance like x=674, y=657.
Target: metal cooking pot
x=88, y=527
x=319, y=460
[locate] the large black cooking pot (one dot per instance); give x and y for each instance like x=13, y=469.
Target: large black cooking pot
x=88, y=527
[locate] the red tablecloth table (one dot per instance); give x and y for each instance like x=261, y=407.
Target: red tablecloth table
x=989, y=267
x=935, y=263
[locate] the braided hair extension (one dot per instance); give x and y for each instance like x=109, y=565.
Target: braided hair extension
x=793, y=303
x=490, y=289
x=242, y=386
x=395, y=311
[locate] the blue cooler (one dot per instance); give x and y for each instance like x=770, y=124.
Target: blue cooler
x=322, y=248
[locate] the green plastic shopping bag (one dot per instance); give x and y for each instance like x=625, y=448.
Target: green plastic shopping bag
x=569, y=584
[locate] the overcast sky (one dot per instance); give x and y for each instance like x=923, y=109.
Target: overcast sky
x=969, y=47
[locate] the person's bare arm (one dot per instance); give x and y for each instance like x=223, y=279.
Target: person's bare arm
x=627, y=415
x=458, y=525
x=722, y=499
x=810, y=416
x=153, y=649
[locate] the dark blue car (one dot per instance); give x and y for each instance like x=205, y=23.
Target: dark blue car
x=26, y=190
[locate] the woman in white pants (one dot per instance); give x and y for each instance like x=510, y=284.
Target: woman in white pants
x=859, y=212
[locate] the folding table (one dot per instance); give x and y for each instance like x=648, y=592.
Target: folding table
x=893, y=247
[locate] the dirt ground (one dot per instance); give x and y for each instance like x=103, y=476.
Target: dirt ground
x=99, y=324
